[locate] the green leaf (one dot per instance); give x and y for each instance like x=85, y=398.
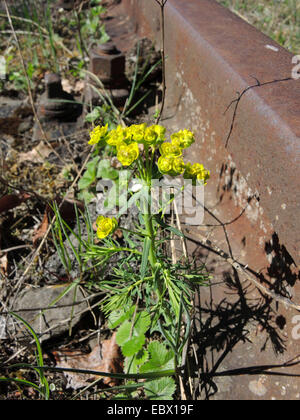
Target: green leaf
x=142, y=322
x=133, y=345
x=90, y=174
x=86, y=196
x=131, y=338
x=141, y=357
x=94, y=115
x=117, y=317
x=160, y=358
x=123, y=333
x=132, y=363
x=160, y=389
x=106, y=171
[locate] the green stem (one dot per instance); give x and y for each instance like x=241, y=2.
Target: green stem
x=150, y=234
x=147, y=212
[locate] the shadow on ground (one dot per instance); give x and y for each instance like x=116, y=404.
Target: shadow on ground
x=240, y=333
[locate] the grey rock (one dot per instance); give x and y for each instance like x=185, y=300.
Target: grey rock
x=50, y=322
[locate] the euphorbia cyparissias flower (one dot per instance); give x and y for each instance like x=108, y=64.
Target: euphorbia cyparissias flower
x=196, y=171
x=105, y=226
x=98, y=134
x=161, y=132
x=170, y=150
x=118, y=136
x=165, y=164
x=137, y=132
x=183, y=139
x=151, y=136
x=178, y=166
x=169, y=165
x=127, y=154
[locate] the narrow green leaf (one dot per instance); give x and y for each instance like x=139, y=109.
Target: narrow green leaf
x=45, y=390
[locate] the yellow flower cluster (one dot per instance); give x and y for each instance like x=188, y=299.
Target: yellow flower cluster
x=169, y=165
x=137, y=133
x=126, y=140
x=105, y=226
x=183, y=139
x=98, y=134
x=127, y=154
x=171, y=161
x=196, y=171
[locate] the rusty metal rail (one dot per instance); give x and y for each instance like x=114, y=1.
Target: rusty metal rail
x=212, y=55
x=232, y=86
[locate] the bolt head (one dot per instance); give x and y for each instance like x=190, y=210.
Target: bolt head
x=109, y=68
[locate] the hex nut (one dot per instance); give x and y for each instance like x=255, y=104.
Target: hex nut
x=109, y=68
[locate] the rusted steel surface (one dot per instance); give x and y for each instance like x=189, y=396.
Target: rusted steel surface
x=217, y=54
x=253, y=198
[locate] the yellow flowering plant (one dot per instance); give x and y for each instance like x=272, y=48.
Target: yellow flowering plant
x=98, y=134
x=145, y=149
x=144, y=272
x=105, y=226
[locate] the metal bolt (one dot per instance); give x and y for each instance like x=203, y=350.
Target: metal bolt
x=108, y=63
x=55, y=102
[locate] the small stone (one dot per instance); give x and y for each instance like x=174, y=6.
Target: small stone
x=43, y=320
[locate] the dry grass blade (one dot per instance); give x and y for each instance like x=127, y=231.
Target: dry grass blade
x=38, y=250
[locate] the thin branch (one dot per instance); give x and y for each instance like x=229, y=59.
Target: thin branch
x=23, y=190
x=26, y=21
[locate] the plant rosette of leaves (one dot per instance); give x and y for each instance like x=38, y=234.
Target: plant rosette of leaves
x=147, y=295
